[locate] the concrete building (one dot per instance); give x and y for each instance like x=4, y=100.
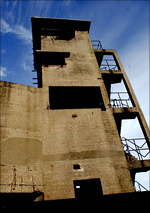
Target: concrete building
x=63, y=138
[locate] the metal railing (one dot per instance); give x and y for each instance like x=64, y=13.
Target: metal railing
x=119, y=101
x=135, y=147
x=140, y=187
x=96, y=44
x=108, y=64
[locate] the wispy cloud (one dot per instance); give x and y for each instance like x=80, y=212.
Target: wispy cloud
x=3, y=51
x=5, y=28
x=66, y=3
x=3, y=72
x=17, y=30
x=26, y=67
x=9, y=9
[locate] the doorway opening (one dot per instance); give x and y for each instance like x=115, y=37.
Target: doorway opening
x=88, y=189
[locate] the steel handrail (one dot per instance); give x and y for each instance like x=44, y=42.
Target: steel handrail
x=108, y=66
x=135, y=139
x=140, y=185
x=119, y=102
x=98, y=45
x=138, y=151
x=128, y=148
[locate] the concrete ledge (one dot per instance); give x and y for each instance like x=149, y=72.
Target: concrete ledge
x=139, y=166
x=126, y=112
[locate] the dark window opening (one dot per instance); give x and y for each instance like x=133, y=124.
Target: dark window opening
x=75, y=97
x=88, y=189
x=107, y=61
x=110, y=79
x=140, y=179
x=58, y=34
x=76, y=166
x=118, y=92
x=119, y=96
x=51, y=58
x=134, y=142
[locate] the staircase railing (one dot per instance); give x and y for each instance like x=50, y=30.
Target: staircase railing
x=108, y=64
x=141, y=188
x=132, y=148
x=96, y=44
x=119, y=101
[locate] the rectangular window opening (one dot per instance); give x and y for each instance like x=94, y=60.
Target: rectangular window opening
x=119, y=97
x=88, y=189
x=141, y=181
x=75, y=97
x=133, y=140
x=118, y=92
x=107, y=61
x=76, y=166
x=58, y=34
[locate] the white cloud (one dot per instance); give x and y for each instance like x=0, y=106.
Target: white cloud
x=5, y=28
x=66, y=3
x=18, y=30
x=22, y=33
x=26, y=67
x=9, y=9
x=3, y=51
x=3, y=72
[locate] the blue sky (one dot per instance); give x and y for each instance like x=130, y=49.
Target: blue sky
x=120, y=25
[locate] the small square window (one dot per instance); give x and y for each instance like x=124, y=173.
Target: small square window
x=76, y=166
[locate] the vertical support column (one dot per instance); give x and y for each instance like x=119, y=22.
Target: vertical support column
x=129, y=88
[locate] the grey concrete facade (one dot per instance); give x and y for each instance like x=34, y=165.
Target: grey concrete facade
x=66, y=130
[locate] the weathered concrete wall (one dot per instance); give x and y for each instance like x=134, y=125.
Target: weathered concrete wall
x=21, y=145
x=39, y=146
x=81, y=69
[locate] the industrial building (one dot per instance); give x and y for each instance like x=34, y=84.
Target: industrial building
x=60, y=141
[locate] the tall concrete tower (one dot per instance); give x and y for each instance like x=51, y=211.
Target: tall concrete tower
x=63, y=138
